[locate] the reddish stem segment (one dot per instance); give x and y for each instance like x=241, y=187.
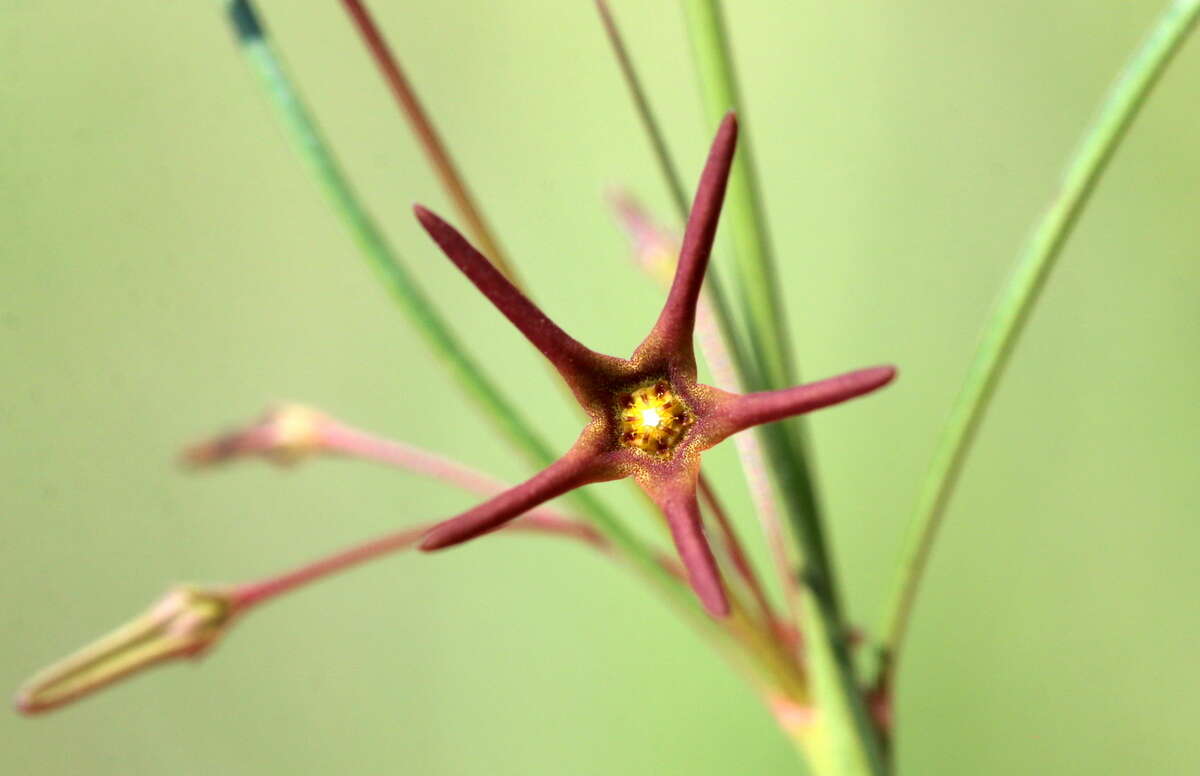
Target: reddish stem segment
x=428, y=137
x=247, y=595
x=347, y=441
x=253, y=593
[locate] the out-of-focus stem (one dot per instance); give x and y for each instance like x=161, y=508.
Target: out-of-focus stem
x=345, y=440
x=249, y=594
x=758, y=284
x=754, y=467
x=645, y=113
x=431, y=142
x=1033, y=266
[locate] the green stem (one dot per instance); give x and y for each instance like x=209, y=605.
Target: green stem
x=848, y=742
x=849, y=737
x=757, y=281
x=429, y=323
x=758, y=289
x=1033, y=265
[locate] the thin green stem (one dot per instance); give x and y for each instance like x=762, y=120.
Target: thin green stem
x=850, y=739
x=1001, y=333
x=757, y=281
x=849, y=743
x=424, y=316
x=758, y=289
x=645, y=113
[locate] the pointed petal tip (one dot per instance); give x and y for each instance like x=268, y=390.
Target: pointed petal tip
x=716, y=604
x=24, y=704
x=881, y=375
x=727, y=132
x=430, y=542
x=431, y=221
x=444, y=535
x=423, y=214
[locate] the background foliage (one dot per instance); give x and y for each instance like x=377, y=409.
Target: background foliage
x=168, y=268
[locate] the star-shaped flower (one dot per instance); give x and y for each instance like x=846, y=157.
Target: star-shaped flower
x=649, y=418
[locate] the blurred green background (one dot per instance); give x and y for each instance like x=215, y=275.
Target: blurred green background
x=168, y=269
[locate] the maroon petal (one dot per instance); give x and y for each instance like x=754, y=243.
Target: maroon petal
x=581, y=465
x=672, y=334
x=677, y=499
x=577, y=364
x=757, y=408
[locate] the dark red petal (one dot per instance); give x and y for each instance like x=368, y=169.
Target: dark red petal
x=673, y=331
x=757, y=408
x=678, y=502
x=580, y=466
x=577, y=364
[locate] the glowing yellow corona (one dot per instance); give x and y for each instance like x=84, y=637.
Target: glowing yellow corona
x=653, y=419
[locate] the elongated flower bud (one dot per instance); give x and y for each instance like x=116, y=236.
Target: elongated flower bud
x=183, y=623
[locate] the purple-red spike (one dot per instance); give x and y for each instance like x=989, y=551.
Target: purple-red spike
x=679, y=504
x=673, y=331
x=575, y=362
x=579, y=466
x=754, y=409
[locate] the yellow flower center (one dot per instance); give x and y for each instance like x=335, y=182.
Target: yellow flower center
x=652, y=419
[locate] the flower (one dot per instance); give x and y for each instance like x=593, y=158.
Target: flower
x=649, y=418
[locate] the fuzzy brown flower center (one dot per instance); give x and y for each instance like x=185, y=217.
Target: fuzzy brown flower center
x=652, y=419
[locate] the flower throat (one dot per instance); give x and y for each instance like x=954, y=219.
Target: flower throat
x=652, y=419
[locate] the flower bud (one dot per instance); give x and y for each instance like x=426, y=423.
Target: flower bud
x=183, y=623
x=284, y=435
